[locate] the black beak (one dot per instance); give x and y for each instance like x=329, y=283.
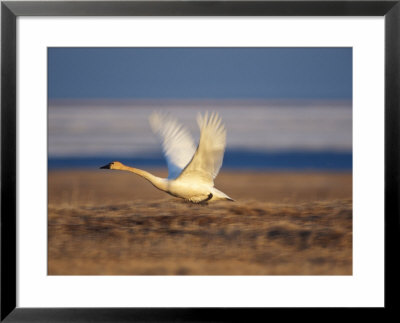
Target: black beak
x=105, y=166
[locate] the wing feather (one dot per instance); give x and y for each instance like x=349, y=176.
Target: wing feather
x=177, y=143
x=209, y=155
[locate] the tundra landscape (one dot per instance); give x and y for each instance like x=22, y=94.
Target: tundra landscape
x=282, y=223
x=271, y=127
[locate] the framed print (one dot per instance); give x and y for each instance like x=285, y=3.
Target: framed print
x=181, y=160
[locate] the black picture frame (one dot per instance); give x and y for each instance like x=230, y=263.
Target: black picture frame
x=10, y=10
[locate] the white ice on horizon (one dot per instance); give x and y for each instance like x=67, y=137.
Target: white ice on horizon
x=87, y=130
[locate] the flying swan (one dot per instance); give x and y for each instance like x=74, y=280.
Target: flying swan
x=191, y=171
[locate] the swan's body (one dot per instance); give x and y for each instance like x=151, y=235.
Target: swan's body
x=191, y=171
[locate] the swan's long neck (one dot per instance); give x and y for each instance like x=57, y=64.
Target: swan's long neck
x=160, y=183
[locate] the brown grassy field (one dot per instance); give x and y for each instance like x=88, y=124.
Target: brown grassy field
x=113, y=223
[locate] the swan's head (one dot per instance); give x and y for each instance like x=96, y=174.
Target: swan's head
x=112, y=165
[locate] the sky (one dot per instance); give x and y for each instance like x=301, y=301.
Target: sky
x=200, y=73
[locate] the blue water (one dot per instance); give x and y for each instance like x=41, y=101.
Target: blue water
x=233, y=159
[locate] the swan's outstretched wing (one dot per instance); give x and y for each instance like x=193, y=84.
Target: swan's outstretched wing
x=177, y=143
x=208, y=157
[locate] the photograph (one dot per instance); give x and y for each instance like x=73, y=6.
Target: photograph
x=200, y=161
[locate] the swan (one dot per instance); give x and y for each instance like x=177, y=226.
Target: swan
x=191, y=170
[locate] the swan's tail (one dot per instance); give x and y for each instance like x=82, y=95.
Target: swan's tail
x=218, y=195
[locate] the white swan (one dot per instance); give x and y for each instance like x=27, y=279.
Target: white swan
x=191, y=171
